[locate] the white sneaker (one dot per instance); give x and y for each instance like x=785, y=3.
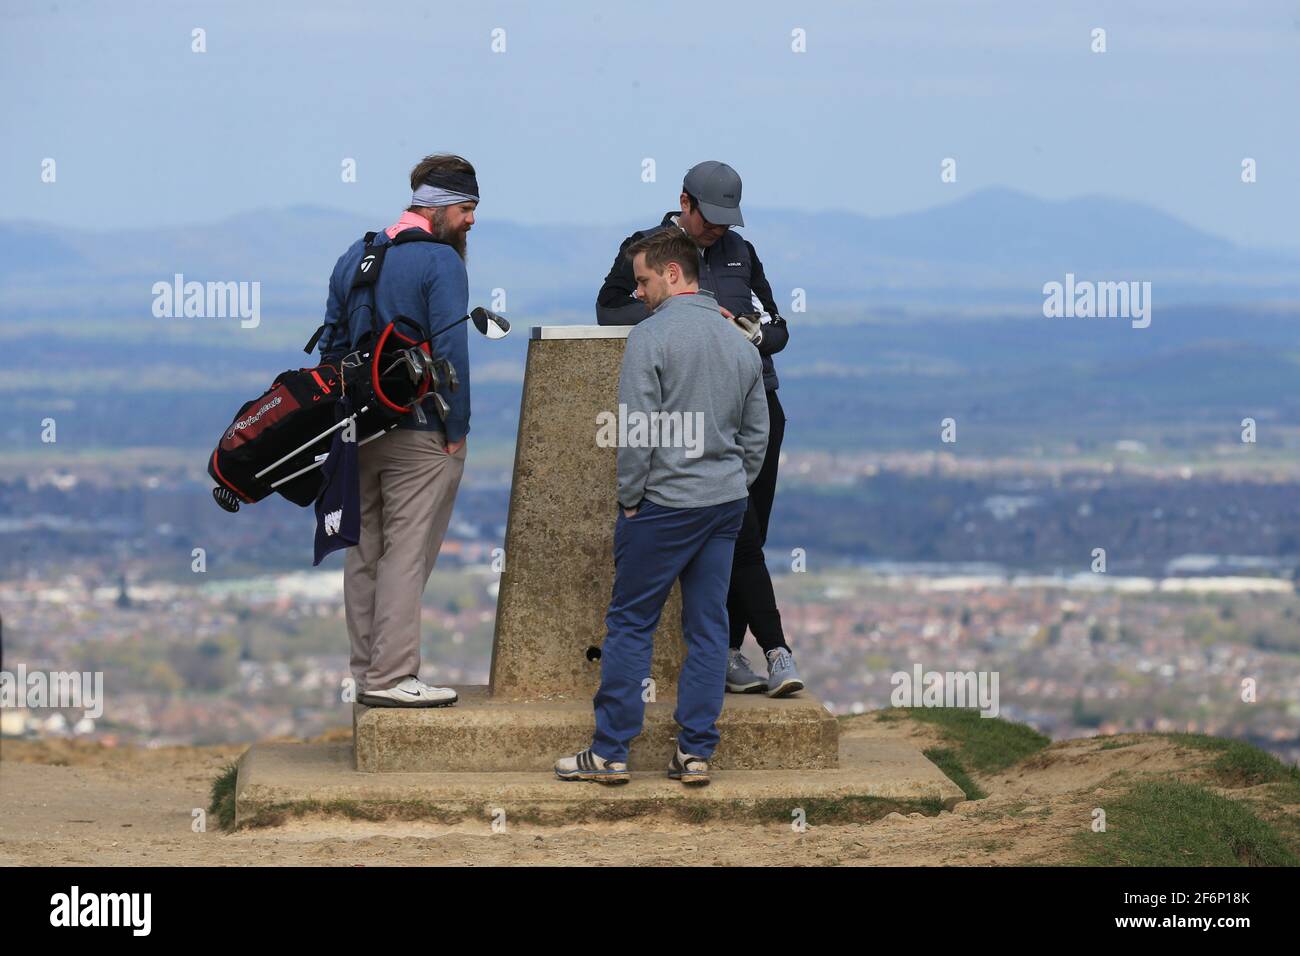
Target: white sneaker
x=410, y=692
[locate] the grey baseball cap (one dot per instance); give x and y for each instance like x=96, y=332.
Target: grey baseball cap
x=717, y=188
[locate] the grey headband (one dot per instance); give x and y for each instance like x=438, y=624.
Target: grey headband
x=428, y=195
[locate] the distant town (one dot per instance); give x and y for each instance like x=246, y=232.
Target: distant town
x=207, y=629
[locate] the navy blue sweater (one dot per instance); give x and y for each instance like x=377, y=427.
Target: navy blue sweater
x=427, y=283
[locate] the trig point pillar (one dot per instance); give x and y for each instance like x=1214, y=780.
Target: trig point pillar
x=559, y=552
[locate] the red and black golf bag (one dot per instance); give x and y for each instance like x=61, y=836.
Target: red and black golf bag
x=278, y=441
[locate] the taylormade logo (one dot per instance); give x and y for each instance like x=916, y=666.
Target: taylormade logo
x=103, y=909
x=651, y=430
x=333, y=520
x=1102, y=300
x=208, y=300
x=253, y=418
x=71, y=690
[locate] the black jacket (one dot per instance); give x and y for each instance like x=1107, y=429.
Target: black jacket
x=730, y=269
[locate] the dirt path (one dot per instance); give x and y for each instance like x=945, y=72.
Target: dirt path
x=64, y=804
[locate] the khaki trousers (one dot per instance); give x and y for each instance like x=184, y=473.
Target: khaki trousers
x=408, y=485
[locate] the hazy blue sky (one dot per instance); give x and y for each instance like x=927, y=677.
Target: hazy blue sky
x=144, y=131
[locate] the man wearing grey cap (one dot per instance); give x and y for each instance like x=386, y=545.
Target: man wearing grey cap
x=730, y=269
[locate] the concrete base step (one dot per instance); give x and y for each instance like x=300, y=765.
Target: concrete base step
x=481, y=733
x=876, y=776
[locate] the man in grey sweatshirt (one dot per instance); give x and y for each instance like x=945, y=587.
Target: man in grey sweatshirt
x=691, y=432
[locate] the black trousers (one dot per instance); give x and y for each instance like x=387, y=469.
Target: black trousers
x=751, y=604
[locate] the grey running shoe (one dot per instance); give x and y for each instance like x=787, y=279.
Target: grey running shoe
x=692, y=771
x=782, y=678
x=740, y=678
x=585, y=765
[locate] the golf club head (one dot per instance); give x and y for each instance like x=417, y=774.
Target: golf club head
x=418, y=364
x=449, y=373
x=489, y=323
x=440, y=406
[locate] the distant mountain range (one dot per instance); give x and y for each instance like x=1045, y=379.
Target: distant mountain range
x=988, y=253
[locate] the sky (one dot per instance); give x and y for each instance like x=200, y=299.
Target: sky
x=560, y=104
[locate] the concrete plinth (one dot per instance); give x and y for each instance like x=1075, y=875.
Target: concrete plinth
x=875, y=776
x=484, y=733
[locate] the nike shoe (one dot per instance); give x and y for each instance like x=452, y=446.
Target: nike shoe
x=740, y=678
x=782, y=678
x=585, y=765
x=409, y=692
x=692, y=771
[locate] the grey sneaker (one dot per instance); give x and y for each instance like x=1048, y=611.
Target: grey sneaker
x=782, y=678
x=740, y=678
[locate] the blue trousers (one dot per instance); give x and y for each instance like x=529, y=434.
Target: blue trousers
x=651, y=551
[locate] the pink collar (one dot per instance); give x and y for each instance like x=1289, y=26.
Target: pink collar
x=409, y=220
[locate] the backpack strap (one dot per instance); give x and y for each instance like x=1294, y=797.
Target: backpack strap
x=368, y=270
x=413, y=235
x=315, y=337
x=372, y=261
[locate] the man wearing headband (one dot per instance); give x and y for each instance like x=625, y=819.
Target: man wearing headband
x=410, y=476
x=731, y=270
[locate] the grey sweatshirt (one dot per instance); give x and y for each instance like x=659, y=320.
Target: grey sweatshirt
x=692, y=421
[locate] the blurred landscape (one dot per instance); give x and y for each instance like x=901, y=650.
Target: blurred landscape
x=1071, y=435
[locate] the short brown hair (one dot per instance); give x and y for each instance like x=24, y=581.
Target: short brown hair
x=665, y=246
x=439, y=163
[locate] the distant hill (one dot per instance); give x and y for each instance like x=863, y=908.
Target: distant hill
x=991, y=250
x=877, y=359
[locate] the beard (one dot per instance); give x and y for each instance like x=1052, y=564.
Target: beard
x=456, y=238
x=655, y=298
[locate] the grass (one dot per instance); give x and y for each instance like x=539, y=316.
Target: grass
x=983, y=744
x=947, y=760
x=1152, y=822
x=1172, y=823
x=1239, y=764
x=222, y=802
x=972, y=744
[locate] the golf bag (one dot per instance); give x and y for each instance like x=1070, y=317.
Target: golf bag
x=277, y=441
